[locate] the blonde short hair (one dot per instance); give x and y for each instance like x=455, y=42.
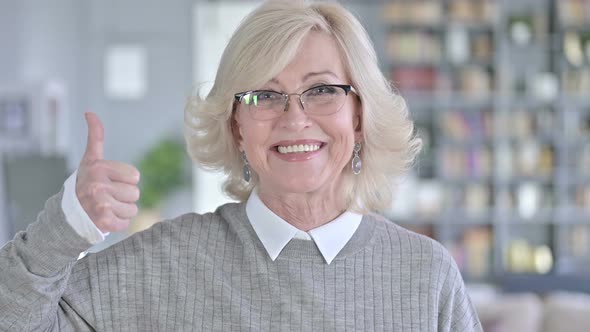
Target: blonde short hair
x=263, y=45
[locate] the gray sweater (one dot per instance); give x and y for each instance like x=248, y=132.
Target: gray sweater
x=210, y=272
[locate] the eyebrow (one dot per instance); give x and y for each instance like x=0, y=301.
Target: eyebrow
x=311, y=74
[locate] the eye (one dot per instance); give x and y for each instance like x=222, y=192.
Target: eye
x=322, y=90
x=258, y=98
x=267, y=95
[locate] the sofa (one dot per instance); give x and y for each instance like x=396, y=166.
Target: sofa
x=528, y=312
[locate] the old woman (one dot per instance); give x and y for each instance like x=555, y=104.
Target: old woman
x=310, y=135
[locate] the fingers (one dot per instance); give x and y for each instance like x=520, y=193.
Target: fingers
x=109, y=222
x=107, y=190
x=121, y=172
x=106, y=211
x=114, y=196
x=124, y=211
x=95, y=142
x=112, y=171
x=111, y=209
x=125, y=193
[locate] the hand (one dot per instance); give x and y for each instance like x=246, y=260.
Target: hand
x=107, y=190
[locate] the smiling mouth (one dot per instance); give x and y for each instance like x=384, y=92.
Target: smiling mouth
x=298, y=148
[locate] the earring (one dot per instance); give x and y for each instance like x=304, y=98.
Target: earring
x=246, y=169
x=356, y=160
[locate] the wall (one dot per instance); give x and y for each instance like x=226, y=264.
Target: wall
x=66, y=40
x=213, y=31
x=10, y=39
x=133, y=126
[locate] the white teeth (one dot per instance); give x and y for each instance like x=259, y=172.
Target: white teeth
x=299, y=148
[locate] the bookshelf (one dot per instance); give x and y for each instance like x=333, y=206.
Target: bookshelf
x=572, y=63
x=498, y=90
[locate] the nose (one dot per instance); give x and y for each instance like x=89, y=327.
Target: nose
x=294, y=117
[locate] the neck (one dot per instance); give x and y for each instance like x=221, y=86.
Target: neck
x=305, y=211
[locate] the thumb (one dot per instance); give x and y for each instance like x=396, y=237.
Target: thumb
x=95, y=143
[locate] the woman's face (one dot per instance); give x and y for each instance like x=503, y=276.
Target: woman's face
x=280, y=172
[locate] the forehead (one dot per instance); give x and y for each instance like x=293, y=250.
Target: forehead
x=318, y=53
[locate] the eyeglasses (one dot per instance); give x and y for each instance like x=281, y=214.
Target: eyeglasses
x=318, y=100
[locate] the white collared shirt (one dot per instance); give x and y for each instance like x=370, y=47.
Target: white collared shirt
x=75, y=214
x=274, y=232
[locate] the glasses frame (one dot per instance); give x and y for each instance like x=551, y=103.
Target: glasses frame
x=346, y=87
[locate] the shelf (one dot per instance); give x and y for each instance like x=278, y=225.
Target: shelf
x=571, y=66
x=462, y=218
x=452, y=98
x=495, y=144
x=581, y=101
x=542, y=284
x=440, y=27
x=468, y=142
x=543, y=139
x=527, y=103
x=578, y=180
x=577, y=143
x=577, y=266
x=541, y=218
x=474, y=25
x=580, y=27
x=466, y=180
x=487, y=64
x=412, y=221
x=413, y=63
x=569, y=216
x=457, y=218
x=519, y=179
x=465, y=101
x=411, y=26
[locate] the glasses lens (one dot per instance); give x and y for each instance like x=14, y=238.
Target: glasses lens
x=264, y=104
x=325, y=99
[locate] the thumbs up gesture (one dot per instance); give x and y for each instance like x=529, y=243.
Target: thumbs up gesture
x=107, y=190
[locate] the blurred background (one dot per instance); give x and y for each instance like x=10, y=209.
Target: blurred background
x=499, y=90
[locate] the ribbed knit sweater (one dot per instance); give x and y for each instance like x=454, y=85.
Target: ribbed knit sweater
x=211, y=273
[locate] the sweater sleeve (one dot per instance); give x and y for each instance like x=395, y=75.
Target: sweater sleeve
x=36, y=266
x=456, y=312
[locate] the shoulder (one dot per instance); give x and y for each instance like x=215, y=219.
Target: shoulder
x=415, y=253
x=419, y=254
x=399, y=238
x=426, y=261
x=189, y=226
x=188, y=229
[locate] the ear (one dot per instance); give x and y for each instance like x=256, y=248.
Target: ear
x=236, y=129
x=357, y=122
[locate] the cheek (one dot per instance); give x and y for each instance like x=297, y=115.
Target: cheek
x=255, y=140
x=341, y=131
x=252, y=133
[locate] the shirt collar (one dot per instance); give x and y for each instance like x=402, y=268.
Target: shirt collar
x=274, y=232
